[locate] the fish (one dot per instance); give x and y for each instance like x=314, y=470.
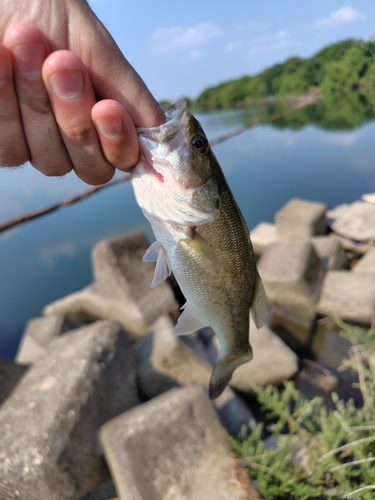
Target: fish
x=201, y=236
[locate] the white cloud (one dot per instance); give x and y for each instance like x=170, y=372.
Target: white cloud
x=342, y=16
x=233, y=46
x=178, y=38
x=192, y=55
x=267, y=44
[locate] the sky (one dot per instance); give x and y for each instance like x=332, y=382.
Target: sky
x=181, y=48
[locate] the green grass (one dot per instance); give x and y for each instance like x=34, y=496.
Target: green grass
x=320, y=453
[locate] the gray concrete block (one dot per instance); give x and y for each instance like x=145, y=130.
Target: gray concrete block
x=165, y=361
x=294, y=325
x=263, y=235
x=10, y=375
x=49, y=425
x=355, y=221
x=330, y=251
x=172, y=447
x=291, y=272
x=121, y=289
x=348, y=295
x=38, y=334
x=300, y=219
x=367, y=263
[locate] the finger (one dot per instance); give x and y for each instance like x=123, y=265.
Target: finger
x=72, y=99
x=13, y=146
x=29, y=48
x=116, y=133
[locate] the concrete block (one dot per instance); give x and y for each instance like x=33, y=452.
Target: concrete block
x=49, y=425
x=349, y=295
x=330, y=251
x=291, y=272
x=294, y=325
x=165, y=361
x=10, y=375
x=172, y=447
x=367, y=263
x=355, y=221
x=121, y=289
x=38, y=334
x=263, y=235
x=300, y=219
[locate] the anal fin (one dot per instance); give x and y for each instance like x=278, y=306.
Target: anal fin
x=188, y=322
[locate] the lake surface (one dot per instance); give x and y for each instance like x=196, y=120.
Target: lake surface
x=43, y=260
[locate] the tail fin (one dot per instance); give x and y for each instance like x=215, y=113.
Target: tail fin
x=223, y=371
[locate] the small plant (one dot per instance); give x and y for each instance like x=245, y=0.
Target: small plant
x=319, y=453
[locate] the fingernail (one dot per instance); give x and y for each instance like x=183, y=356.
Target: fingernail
x=67, y=84
x=29, y=58
x=109, y=126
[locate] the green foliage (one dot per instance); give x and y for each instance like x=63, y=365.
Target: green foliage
x=336, y=69
x=320, y=453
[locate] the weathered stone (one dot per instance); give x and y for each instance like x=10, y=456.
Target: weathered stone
x=263, y=235
x=293, y=325
x=48, y=439
x=273, y=361
x=172, y=447
x=353, y=246
x=38, y=334
x=355, y=221
x=330, y=251
x=165, y=361
x=349, y=295
x=291, y=272
x=10, y=375
x=367, y=263
x=300, y=219
x=121, y=289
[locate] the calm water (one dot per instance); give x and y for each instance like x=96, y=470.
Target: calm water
x=48, y=258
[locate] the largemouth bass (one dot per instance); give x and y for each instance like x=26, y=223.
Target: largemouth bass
x=201, y=236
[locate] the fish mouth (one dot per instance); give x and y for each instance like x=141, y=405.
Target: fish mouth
x=176, y=118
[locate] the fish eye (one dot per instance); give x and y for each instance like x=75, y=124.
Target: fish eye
x=200, y=143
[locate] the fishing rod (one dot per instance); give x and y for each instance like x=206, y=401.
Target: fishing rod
x=85, y=194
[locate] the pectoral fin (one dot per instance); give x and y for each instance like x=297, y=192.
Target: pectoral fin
x=259, y=307
x=156, y=253
x=200, y=245
x=188, y=322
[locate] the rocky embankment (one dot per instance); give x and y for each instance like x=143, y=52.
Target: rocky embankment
x=102, y=401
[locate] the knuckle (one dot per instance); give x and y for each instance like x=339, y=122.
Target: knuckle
x=37, y=104
x=13, y=156
x=80, y=134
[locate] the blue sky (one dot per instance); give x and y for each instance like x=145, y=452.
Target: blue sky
x=181, y=48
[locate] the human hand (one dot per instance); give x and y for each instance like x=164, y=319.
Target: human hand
x=68, y=97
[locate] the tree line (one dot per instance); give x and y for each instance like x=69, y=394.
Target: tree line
x=335, y=71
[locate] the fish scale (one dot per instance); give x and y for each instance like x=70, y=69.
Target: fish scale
x=201, y=237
